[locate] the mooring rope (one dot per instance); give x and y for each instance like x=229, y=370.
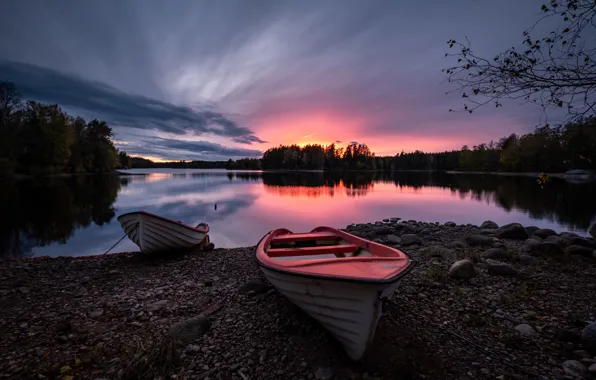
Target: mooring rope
x=112, y=247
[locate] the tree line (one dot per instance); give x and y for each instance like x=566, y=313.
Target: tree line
x=240, y=164
x=37, y=138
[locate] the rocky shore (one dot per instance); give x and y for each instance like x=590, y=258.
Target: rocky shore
x=483, y=302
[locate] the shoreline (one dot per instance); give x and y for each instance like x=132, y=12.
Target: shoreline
x=95, y=316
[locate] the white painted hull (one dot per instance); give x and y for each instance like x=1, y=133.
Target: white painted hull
x=155, y=234
x=350, y=311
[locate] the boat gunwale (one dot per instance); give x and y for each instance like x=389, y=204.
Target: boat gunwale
x=357, y=280
x=206, y=230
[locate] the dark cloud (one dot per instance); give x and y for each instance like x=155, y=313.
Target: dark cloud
x=337, y=141
x=117, y=107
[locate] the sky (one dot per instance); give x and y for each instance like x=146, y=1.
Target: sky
x=211, y=80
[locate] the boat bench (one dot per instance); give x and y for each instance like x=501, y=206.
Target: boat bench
x=312, y=251
x=289, y=238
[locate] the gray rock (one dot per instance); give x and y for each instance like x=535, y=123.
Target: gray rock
x=544, y=233
x=189, y=330
x=513, y=231
x=255, y=285
x=323, y=373
x=489, y=224
x=96, y=313
x=500, y=268
x=384, y=230
x=530, y=230
x=493, y=253
x=556, y=239
x=450, y=224
x=157, y=305
x=487, y=231
x=582, y=354
x=525, y=330
x=456, y=244
x=527, y=260
x=575, y=369
x=577, y=240
x=579, y=250
x=438, y=251
x=592, y=368
x=192, y=349
x=479, y=240
x=392, y=239
x=546, y=248
x=529, y=244
x=463, y=269
x=588, y=336
x=592, y=231
x=409, y=239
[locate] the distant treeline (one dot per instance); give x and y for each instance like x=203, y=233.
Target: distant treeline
x=38, y=138
x=547, y=149
x=241, y=164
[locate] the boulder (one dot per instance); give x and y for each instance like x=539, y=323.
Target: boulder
x=463, y=269
x=588, y=336
x=392, y=239
x=457, y=244
x=479, y=240
x=383, y=230
x=438, y=251
x=254, y=286
x=493, y=253
x=530, y=230
x=555, y=239
x=527, y=260
x=592, y=231
x=544, y=233
x=513, y=231
x=579, y=250
x=487, y=231
x=489, y=224
x=578, y=240
x=189, y=330
x=525, y=330
x=575, y=369
x=529, y=244
x=546, y=248
x=410, y=239
x=500, y=268
x=450, y=224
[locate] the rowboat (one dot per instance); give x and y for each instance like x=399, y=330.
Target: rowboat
x=341, y=280
x=154, y=233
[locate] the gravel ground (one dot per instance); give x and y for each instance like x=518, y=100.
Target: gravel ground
x=104, y=317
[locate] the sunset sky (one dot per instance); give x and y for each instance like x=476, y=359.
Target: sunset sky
x=228, y=79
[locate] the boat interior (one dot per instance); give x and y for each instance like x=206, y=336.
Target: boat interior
x=313, y=245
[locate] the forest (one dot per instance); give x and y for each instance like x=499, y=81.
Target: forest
x=547, y=149
x=39, y=139
x=240, y=164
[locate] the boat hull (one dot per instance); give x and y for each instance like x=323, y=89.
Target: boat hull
x=349, y=311
x=153, y=233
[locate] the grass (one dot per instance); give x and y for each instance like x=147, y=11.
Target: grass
x=437, y=274
x=147, y=357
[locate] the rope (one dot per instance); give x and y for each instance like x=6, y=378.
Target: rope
x=112, y=247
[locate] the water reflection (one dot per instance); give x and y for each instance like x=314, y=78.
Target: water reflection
x=76, y=215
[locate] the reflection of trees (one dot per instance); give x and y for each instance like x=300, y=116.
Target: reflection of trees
x=46, y=211
x=560, y=201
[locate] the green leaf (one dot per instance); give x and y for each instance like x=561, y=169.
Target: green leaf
x=65, y=369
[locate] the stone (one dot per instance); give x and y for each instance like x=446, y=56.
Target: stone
x=192, y=349
x=592, y=231
x=547, y=248
x=543, y=233
x=463, y=269
x=530, y=230
x=323, y=373
x=575, y=369
x=96, y=313
x=255, y=285
x=487, y=231
x=556, y=239
x=489, y=224
x=592, y=369
x=579, y=250
x=189, y=330
x=450, y=224
x=582, y=354
x=500, y=268
x=525, y=330
x=588, y=337
x=409, y=239
x=479, y=240
x=384, y=230
x=392, y=239
x=529, y=244
x=457, y=244
x=578, y=240
x=527, y=260
x=493, y=253
x=438, y=251
x=513, y=231
x=157, y=305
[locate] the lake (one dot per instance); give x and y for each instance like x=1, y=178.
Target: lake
x=75, y=216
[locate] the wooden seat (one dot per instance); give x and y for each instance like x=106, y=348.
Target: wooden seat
x=288, y=238
x=312, y=251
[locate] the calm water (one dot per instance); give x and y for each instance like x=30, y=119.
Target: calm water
x=77, y=216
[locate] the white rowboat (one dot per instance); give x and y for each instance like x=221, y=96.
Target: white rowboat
x=339, y=279
x=154, y=233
